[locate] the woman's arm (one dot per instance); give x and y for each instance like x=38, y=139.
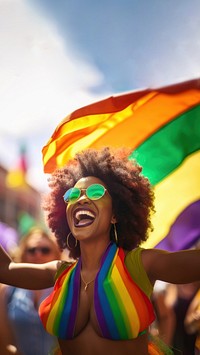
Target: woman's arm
x=24, y=275
x=177, y=267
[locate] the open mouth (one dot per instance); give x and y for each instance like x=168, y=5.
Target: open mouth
x=83, y=218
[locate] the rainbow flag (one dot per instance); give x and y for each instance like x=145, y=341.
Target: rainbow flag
x=161, y=126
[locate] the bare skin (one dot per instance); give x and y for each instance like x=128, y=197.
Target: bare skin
x=179, y=267
x=88, y=338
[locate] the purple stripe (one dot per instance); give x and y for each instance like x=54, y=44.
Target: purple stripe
x=99, y=313
x=185, y=231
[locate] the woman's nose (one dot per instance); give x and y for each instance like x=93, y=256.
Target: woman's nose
x=83, y=198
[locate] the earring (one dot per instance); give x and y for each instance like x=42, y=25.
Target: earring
x=69, y=247
x=115, y=233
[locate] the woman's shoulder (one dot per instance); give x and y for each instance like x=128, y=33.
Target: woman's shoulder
x=61, y=267
x=134, y=264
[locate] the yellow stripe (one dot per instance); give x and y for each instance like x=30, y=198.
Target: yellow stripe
x=51, y=320
x=173, y=195
x=52, y=316
x=126, y=301
x=51, y=151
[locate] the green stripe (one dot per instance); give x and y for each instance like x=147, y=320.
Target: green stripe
x=166, y=149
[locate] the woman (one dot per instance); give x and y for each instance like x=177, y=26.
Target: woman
x=99, y=208
x=21, y=330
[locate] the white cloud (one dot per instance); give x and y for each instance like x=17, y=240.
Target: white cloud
x=41, y=81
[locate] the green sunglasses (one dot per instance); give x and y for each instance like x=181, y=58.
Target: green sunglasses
x=93, y=192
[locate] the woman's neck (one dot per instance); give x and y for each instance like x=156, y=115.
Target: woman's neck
x=91, y=254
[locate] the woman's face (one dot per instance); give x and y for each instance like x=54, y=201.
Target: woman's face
x=89, y=218
x=39, y=250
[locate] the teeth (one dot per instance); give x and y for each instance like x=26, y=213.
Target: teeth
x=85, y=213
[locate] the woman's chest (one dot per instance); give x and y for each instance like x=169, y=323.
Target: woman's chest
x=86, y=311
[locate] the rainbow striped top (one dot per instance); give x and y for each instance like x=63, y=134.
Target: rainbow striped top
x=122, y=309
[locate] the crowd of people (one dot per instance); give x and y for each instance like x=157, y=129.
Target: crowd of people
x=99, y=208
x=176, y=315
x=21, y=331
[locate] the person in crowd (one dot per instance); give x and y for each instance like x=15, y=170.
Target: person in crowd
x=192, y=320
x=172, y=303
x=165, y=322
x=99, y=207
x=176, y=302
x=183, y=297
x=21, y=330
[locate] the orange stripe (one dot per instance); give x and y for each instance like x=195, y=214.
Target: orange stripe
x=45, y=308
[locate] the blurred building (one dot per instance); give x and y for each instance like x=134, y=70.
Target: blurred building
x=18, y=206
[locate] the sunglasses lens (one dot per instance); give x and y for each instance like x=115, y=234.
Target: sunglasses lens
x=31, y=251
x=72, y=195
x=95, y=191
x=45, y=250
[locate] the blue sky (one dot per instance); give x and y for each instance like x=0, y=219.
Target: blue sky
x=133, y=43
x=59, y=55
